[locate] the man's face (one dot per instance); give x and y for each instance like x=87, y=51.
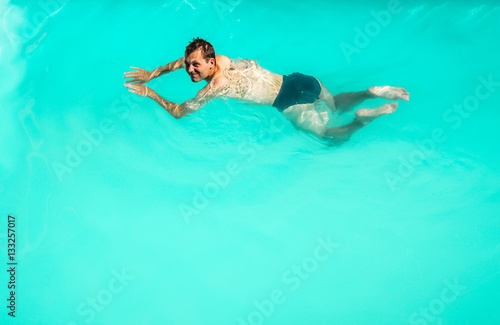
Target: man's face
x=196, y=66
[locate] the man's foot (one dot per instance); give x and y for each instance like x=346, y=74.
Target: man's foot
x=365, y=116
x=388, y=92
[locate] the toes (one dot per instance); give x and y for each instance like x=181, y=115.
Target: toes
x=392, y=108
x=403, y=94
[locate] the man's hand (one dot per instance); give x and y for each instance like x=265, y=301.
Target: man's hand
x=140, y=76
x=140, y=89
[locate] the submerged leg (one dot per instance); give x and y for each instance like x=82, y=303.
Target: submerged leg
x=347, y=101
x=388, y=92
x=363, y=117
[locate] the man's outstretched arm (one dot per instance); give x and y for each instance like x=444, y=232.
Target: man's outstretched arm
x=169, y=67
x=143, y=76
x=177, y=111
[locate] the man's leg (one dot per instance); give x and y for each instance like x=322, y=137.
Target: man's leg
x=345, y=102
x=308, y=118
x=363, y=117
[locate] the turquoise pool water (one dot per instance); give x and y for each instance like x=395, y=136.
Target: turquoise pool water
x=124, y=215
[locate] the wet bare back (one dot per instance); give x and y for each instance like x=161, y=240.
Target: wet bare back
x=242, y=79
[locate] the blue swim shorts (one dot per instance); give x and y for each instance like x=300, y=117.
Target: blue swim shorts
x=297, y=88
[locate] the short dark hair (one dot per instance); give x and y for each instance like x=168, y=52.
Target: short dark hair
x=206, y=48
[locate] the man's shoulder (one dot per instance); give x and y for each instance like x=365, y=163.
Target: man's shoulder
x=222, y=58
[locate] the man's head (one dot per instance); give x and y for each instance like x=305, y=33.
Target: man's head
x=199, y=59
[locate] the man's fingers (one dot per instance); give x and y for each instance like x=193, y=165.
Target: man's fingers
x=132, y=86
x=138, y=77
x=133, y=74
x=137, y=89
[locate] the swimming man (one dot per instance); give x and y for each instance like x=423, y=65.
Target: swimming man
x=296, y=95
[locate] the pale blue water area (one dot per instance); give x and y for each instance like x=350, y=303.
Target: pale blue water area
x=125, y=215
